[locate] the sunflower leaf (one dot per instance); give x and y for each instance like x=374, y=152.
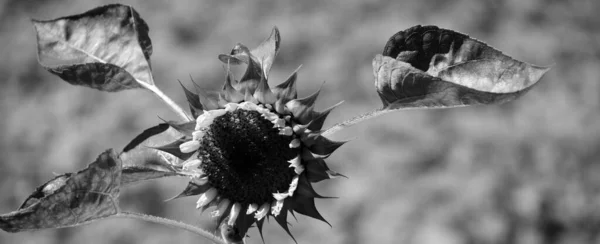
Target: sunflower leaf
x=152, y=131
x=70, y=199
x=106, y=48
x=134, y=174
x=431, y=67
x=267, y=50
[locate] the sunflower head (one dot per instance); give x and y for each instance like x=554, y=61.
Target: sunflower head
x=253, y=150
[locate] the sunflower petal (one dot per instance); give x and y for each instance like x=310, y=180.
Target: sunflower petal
x=276, y=207
x=223, y=207
x=287, y=90
x=189, y=146
x=235, y=212
x=207, y=197
x=223, y=211
x=262, y=211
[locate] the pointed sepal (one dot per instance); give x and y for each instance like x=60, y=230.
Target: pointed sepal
x=318, y=118
x=191, y=190
x=173, y=148
x=287, y=90
x=194, y=101
x=302, y=108
x=263, y=93
x=320, y=145
x=281, y=219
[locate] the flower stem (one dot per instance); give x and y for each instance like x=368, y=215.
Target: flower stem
x=171, y=223
x=360, y=118
x=178, y=110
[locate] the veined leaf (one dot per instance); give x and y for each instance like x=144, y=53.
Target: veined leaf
x=134, y=174
x=70, y=199
x=426, y=66
x=106, y=48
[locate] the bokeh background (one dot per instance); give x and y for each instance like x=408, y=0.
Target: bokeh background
x=523, y=172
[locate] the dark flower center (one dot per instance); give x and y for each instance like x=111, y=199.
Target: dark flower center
x=245, y=158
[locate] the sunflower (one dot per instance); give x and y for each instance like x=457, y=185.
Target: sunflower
x=253, y=151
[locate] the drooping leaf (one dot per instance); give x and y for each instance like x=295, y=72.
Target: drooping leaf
x=136, y=174
x=426, y=66
x=266, y=52
x=152, y=131
x=106, y=48
x=259, y=59
x=70, y=199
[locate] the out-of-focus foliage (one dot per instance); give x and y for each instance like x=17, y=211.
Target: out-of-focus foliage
x=522, y=172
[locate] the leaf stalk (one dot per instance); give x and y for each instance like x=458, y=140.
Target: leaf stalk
x=171, y=223
x=178, y=110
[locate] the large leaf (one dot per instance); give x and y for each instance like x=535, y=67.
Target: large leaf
x=70, y=199
x=106, y=48
x=426, y=66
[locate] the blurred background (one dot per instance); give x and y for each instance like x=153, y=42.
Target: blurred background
x=523, y=172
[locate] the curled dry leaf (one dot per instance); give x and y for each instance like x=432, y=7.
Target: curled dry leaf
x=70, y=199
x=426, y=66
x=262, y=56
x=106, y=48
